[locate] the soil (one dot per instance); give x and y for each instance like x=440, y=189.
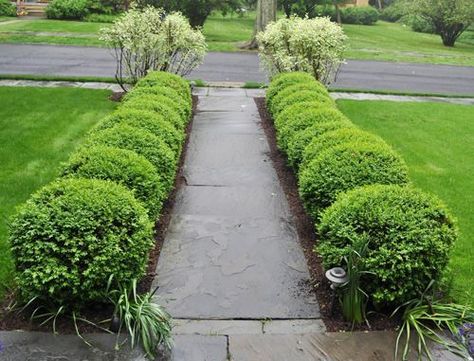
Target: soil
x=15, y=320
x=331, y=312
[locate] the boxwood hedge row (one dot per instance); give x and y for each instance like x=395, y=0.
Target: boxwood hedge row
x=96, y=219
x=357, y=190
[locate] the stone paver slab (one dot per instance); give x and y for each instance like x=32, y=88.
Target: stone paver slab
x=217, y=327
x=196, y=348
x=293, y=326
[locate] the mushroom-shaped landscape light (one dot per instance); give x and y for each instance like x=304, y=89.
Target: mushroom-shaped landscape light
x=337, y=276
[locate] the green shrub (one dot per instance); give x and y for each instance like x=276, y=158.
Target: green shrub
x=360, y=15
x=305, y=119
x=72, y=235
x=164, y=79
x=346, y=167
x=183, y=104
x=147, y=120
x=300, y=140
x=325, y=11
x=409, y=236
x=67, y=9
x=418, y=23
x=160, y=99
x=283, y=80
x=121, y=166
x=297, y=88
x=300, y=97
x=7, y=8
x=335, y=138
x=295, y=110
x=164, y=109
x=395, y=11
x=143, y=143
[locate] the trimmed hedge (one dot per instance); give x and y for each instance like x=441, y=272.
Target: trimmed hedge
x=284, y=80
x=153, y=105
x=305, y=119
x=346, y=167
x=72, y=235
x=296, y=88
x=409, y=235
x=169, y=93
x=121, y=166
x=360, y=15
x=335, y=138
x=7, y=8
x=300, y=97
x=164, y=79
x=67, y=9
x=149, y=121
x=142, y=142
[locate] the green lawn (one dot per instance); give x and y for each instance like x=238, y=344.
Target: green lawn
x=39, y=129
x=437, y=142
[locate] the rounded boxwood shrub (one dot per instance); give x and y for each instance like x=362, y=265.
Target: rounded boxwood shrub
x=184, y=105
x=346, y=167
x=142, y=142
x=283, y=80
x=300, y=140
x=335, y=138
x=408, y=233
x=360, y=15
x=147, y=120
x=164, y=79
x=294, y=110
x=72, y=235
x=294, y=88
x=301, y=97
x=121, y=166
x=305, y=119
x=165, y=110
x=161, y=99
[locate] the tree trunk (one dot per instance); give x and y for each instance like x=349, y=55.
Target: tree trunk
x=379, y=3
x=338, y=12
x=266, y=13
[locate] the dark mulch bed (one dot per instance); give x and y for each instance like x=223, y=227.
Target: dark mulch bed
x=98, y=313
x=306, y=232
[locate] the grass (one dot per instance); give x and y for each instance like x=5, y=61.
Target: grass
x=40, y=128
x=437, y=142
x=47, y=77
x=395, y=42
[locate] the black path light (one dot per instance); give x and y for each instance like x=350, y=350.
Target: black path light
x=338, y=277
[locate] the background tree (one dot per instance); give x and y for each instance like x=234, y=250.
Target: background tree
x=450, y=18
x=266, y=13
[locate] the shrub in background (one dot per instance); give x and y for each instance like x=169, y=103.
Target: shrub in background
x=143, y=143
x=149, y=121
x=315, y=46
x=67, y=9
x=7, y=8
x=120, y=166
x=346, y=167
x=360, y=15
x=409, y=236
x=395, y=11
x=148, y=39
x=72, y=235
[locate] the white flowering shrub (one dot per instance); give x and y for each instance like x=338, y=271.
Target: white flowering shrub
x=315, y=46
x=146, y=40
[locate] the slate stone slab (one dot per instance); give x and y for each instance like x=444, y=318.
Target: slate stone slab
x=196, y=348
x=231, y=250
x=356, y=346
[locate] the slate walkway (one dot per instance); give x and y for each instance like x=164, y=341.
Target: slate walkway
x=231, y=271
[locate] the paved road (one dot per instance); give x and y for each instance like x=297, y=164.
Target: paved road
x=241, y=67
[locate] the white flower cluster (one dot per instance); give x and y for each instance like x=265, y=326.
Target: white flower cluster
x=315, y=46
x=148, y=39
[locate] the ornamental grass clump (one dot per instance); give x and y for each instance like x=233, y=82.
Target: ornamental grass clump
x=314, y=46
x=148, y=39
x=71, y=235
